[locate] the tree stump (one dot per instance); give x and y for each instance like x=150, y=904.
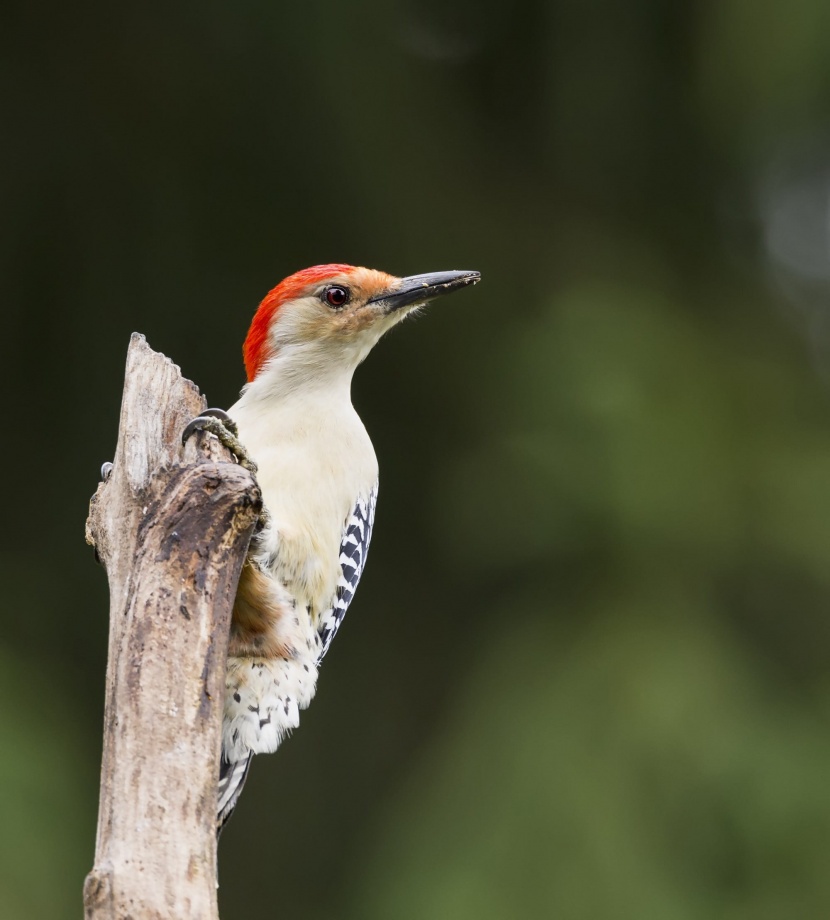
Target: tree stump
x=171, y=525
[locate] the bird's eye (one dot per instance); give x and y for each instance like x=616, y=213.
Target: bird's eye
x=336, y=296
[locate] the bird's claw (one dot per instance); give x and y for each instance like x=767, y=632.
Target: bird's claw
x=106, y=471
x=220, y=424
x=196, y=423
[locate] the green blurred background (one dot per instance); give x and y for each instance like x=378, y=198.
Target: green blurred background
x=586, y=673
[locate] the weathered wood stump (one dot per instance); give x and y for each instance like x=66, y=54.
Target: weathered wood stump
x=171, y=525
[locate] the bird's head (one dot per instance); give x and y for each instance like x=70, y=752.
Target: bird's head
x=330, y=316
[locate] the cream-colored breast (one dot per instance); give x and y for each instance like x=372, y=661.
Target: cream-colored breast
x=315, y=459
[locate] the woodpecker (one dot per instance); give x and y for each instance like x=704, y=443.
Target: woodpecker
x=295, y=425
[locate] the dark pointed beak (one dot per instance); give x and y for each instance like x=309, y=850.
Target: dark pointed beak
x=421, y=288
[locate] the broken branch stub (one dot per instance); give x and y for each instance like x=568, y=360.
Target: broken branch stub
x=172, y=526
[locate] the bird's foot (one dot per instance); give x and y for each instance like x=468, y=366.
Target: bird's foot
x=220, y=424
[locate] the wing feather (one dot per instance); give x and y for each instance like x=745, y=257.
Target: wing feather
x=354, y=547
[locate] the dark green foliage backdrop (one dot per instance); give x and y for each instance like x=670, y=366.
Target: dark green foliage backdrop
x=586, y=674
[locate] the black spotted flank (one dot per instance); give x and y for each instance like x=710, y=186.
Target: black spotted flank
x=354, y=546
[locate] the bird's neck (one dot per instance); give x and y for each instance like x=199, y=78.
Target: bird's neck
x=301, y=376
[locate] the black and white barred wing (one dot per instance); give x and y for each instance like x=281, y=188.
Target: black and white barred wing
x=353, y=549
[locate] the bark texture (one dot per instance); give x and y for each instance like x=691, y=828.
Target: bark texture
x=171, y=525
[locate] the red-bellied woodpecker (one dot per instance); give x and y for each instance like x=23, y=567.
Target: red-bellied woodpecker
x=318, y=474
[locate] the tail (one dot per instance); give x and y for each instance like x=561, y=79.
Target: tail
x=232, y=778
